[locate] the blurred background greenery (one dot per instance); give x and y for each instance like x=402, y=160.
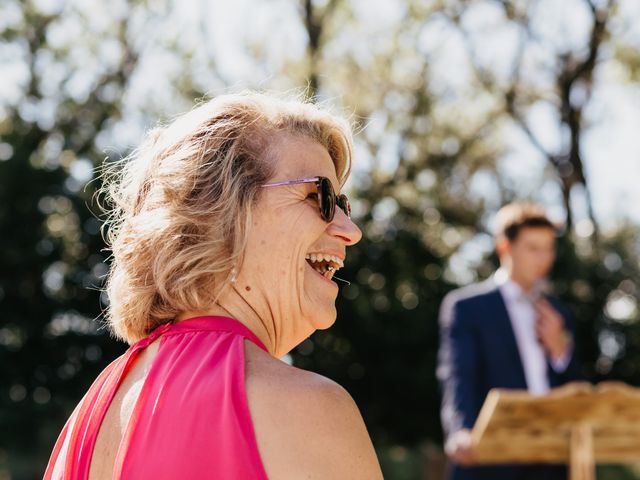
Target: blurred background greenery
x=460, y=106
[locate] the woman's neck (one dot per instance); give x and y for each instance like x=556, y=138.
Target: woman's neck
x=234, y=306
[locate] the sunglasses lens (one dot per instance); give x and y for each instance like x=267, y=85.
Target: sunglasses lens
x=327, y=199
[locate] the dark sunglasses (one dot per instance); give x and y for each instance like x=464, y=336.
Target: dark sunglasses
x=327, y=198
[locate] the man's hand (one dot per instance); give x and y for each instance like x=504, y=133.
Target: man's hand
x=550, y=330
x=458, y=447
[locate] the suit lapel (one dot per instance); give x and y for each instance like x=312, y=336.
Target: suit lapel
x=505, y=330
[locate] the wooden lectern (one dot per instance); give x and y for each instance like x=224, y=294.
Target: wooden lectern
x=578, y=424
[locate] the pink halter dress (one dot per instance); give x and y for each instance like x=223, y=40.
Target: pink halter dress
x=191, y=419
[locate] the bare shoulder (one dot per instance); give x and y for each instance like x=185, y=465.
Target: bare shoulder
x=307, y=426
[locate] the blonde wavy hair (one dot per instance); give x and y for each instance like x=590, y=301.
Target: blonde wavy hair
x=179, y=207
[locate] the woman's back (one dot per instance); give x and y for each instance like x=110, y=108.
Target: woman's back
x=118, y=414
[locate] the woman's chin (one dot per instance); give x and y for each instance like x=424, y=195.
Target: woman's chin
x=325, y=319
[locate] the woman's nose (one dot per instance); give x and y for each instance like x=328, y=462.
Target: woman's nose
x=342, y=226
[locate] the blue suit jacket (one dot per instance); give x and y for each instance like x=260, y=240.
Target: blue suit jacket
x=478, y=352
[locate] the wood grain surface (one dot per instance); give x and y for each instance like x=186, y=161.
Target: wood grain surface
x=516, y=427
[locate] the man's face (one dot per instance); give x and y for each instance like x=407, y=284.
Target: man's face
x=531, y=254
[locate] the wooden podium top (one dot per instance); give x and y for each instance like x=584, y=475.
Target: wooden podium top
x=517, y=427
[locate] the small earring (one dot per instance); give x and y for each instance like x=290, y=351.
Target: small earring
x=234, y=276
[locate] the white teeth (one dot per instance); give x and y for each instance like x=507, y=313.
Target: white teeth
x=321, y=257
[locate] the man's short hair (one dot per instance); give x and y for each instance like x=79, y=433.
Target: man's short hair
x=514, y=217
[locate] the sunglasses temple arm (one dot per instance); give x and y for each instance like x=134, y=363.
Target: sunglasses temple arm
x=291, y=182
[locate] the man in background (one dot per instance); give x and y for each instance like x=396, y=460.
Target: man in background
x=504, y=333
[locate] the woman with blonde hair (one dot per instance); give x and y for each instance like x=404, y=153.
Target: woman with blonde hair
x=226, y=230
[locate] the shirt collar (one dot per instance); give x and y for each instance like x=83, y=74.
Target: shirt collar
x=508, y=287
x=513, y=291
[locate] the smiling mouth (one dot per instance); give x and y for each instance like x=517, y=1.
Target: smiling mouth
x=325, y=265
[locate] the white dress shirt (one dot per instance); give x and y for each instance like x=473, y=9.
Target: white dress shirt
x=523, y=316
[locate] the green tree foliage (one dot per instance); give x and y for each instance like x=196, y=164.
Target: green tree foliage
x=51, y=248
x=427, y=178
